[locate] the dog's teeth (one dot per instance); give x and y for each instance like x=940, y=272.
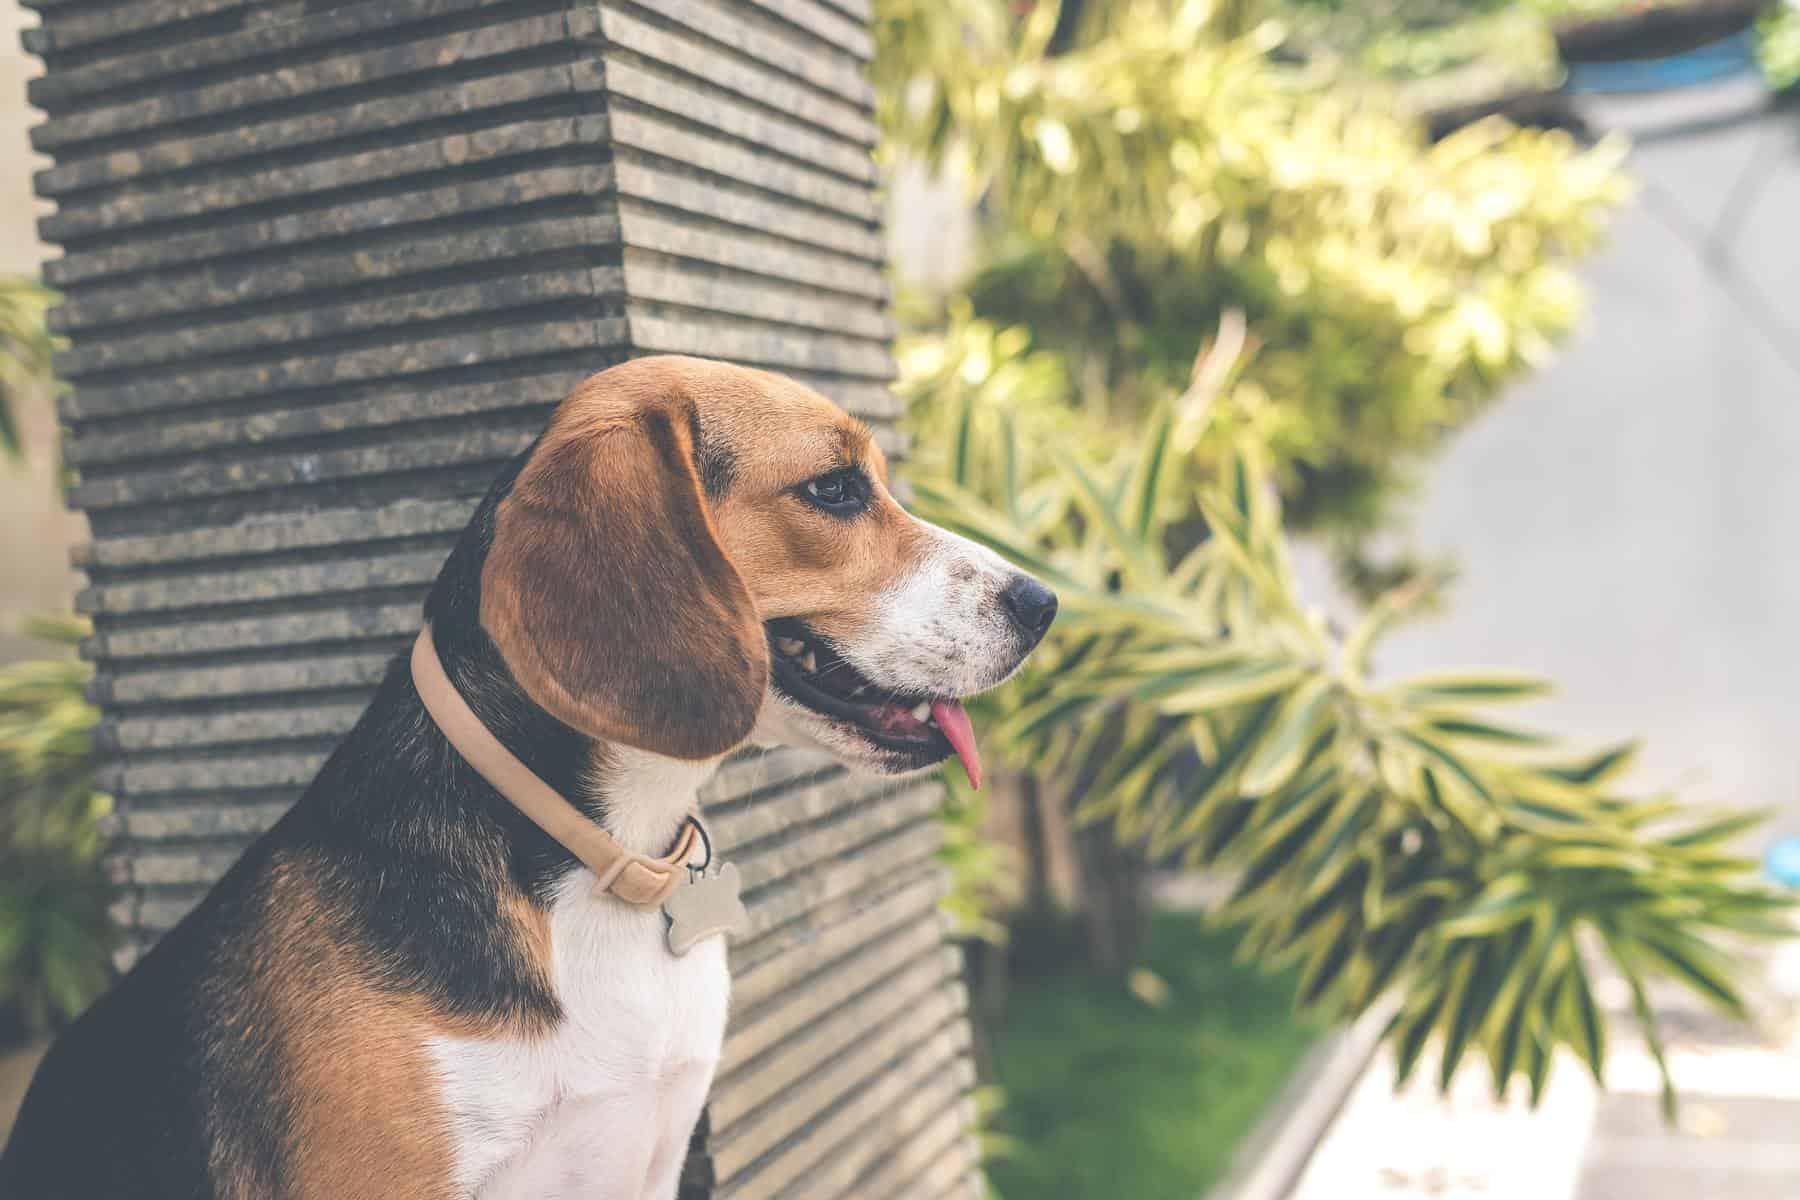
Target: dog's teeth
x=922, y=711
x=790, y=646
x=810, y=662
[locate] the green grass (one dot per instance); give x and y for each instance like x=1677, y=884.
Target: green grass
x=1108, y=1097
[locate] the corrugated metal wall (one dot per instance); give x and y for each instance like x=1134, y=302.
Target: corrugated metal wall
x=325, y=266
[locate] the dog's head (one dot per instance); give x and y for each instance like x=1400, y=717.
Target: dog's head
x=696, y=551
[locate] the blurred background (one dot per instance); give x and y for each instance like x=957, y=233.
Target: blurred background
x=1358, y=371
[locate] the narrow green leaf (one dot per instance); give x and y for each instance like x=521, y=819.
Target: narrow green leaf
x=1210, y=785
x=1497, y=687
x=1205, y=733
x=1537, y=1067
x=1450, y=761
x=1325, y=967
x=1515, y=1009
x=1051, y=711
x=1494, y=960
x=1130, y=766
x=1331, y=854
x=1178, y=673
x=1009, y=464
x=1103, y=509
x=1361, y=643
x=1240, y=685
x=1238, y=477
x=1277, y=816
x=1722, y=829
x=1481, y=731
x=1445, y=793
x=1343, y=896
x=1150, y=470
x=1500, y=905
x=1510, y=1037
x=1293, y=727
x=1589, y=1024
x=1392, y=946
x=1695, y=964
x=1268, y=864
x=1413, y=1030
x=1651, y=1028
x=960, y=442
x=1221, y=832
x=1573, y=817
x=1596, y=769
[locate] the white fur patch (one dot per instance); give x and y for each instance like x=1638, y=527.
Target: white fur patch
x=942, y=629
x=603, y=1105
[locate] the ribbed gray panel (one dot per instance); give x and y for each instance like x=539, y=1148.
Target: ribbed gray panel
x=326, y=266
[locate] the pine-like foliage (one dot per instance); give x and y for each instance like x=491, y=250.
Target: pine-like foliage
x=1392, y=837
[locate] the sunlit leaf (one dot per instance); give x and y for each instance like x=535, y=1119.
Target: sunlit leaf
x=1295, y=724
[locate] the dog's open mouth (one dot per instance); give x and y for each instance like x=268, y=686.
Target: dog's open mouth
x=811, y=673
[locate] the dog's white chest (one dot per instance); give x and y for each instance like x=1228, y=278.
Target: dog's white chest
x=633, y=1056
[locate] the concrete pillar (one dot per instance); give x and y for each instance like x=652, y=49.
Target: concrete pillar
x=326, y=266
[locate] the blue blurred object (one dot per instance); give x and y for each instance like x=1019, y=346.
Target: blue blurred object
x=1783, y=861
x=1715, y=60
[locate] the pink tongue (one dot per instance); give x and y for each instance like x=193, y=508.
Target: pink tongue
x=953, y=720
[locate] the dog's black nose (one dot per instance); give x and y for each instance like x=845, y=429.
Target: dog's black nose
x=1031, y=605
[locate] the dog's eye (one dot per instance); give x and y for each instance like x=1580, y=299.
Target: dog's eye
x=842, y=492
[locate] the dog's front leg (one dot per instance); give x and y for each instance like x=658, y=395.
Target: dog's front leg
x=684, y=1095
x=598, y=1148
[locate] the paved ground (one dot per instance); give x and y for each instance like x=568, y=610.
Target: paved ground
x=1738, y=1136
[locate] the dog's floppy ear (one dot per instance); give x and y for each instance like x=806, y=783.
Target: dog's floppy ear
x=608, y=594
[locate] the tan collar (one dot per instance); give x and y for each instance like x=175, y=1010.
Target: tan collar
x=634, y=878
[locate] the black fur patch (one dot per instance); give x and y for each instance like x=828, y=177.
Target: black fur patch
x=716, y=466
x=412, y=855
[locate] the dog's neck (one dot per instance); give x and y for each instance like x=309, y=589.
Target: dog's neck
x=638, y=797
x=397, y=790
x=644, y=797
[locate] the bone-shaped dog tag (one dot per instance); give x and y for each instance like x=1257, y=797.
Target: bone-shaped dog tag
x=703, y=906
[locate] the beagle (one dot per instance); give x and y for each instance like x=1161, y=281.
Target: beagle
x=408, y=988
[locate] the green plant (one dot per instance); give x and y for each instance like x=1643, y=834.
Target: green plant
x=1778, y=45
x=983, y=872
x=1512, y=39
x=55, y=932
x=25, y=348
x=1144, y=169
x=1416, y=39
x=1582, y=10
x=1153, y=1090
x=1390, y=836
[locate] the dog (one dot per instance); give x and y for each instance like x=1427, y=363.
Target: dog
x=408, y=988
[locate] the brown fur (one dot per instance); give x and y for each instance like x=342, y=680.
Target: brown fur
x=349, y=1061
x=606, y=589
x=608, y=531
x=348, y=1057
